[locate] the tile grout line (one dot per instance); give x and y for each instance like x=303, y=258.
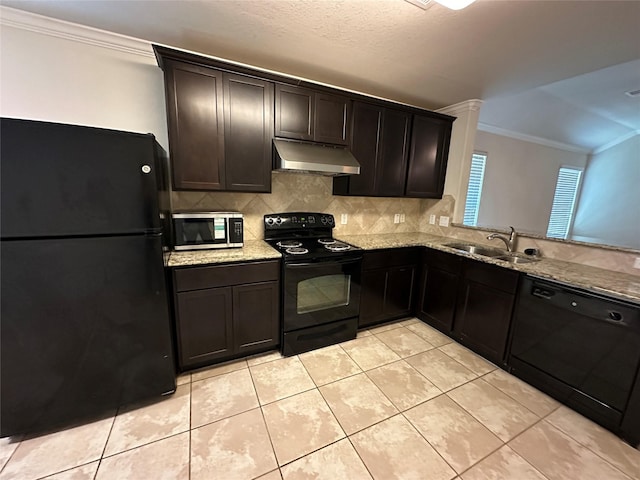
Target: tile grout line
x=515, y=399
x=552, y=425
x=519, y=435
x=437, y=451
x=12, y=453
x=358, y=454
x=104, y=448
x=190, y=417
x=264, y=420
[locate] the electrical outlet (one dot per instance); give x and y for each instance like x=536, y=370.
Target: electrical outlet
x=432, y=219
x=402, y=218
x=636, y=264
x=396, y=218
x=343, y=219
x=444, y=221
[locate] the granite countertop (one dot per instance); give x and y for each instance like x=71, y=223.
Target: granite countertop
x=252, y=250
x=597, y=280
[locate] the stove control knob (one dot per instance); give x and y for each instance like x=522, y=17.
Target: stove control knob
x=330, y=220
x=323, y=220
x=278, y=220
x=269, y=221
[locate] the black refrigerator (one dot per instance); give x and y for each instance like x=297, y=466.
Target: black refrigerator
x=85, y=323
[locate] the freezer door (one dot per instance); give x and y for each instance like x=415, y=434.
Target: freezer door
x=60, y=180
x=85, y=328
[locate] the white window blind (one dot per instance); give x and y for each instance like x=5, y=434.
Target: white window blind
x=478, y=161
x=564, y=202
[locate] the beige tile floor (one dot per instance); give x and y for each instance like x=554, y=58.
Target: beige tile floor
x=402, y=401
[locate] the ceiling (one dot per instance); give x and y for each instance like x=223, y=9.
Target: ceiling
x=551, y=69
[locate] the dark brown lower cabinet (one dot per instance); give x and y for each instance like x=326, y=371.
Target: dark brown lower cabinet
x=251, y=302
x=439, y=289
x=211, y=307
x=387, y=285
x=483, y=308
x=226, y=311
x=468, y=300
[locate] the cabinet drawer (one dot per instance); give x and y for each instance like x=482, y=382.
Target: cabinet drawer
x=390, y=258
x=196, y=278
x=492, y=276
x=448, y=262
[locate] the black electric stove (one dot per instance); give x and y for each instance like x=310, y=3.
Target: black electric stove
x=303, y=237
x=320, y=281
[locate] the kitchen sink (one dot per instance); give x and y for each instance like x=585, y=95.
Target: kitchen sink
x=476, y=249
x=491, y=252
x=516, y=259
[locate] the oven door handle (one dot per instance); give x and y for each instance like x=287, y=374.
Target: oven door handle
x=323, y=264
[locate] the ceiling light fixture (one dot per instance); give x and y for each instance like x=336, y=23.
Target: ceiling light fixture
x=452, y=4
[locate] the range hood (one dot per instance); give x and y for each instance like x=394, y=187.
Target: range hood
x=291, y=156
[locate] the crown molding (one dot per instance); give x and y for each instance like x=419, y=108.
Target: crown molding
x=461, y=107
x=615, y=142
x=32, y=22
x=532, y=139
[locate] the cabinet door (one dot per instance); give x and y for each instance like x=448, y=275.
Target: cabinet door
x=484, y=308
x=196, y=126
x=256, y=316
x=248, y=130
x=365, y=144
x=391, y=171
x=372, y=293
x=439, y=288
x=428, y=158
x=204, y=326
x=398, y=299
x=331, y=119
x=295, y=112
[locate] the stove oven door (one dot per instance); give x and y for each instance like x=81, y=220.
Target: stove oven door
x=320, y=292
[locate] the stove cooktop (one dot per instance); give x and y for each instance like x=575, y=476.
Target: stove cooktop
x=303, y=236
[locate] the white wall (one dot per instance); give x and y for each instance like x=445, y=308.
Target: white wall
x=609, y=207
x=463, y=136
x=44, y=77
x=519, y=181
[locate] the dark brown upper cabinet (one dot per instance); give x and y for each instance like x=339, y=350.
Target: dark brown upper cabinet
x=430, y=138
x=220, y=129
x=248, y=131
x=380, y=143
x=390, y=166
x=196, y=126
x=305, y=114
x=222, y=118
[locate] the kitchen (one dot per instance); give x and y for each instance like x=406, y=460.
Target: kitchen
x=138, y=105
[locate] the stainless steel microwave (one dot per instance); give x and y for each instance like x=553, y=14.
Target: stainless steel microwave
x=202, y=230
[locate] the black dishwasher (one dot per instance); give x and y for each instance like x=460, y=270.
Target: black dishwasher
x=579, y=347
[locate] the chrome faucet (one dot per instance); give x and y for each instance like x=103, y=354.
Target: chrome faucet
x=509, y=242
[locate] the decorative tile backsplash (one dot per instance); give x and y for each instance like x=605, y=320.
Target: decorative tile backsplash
x=295, y=192
x=292, y=192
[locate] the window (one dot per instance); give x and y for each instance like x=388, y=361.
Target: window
x=478, y=161
x=564, y=202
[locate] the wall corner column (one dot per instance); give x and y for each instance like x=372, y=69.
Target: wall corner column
x=463, y=137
